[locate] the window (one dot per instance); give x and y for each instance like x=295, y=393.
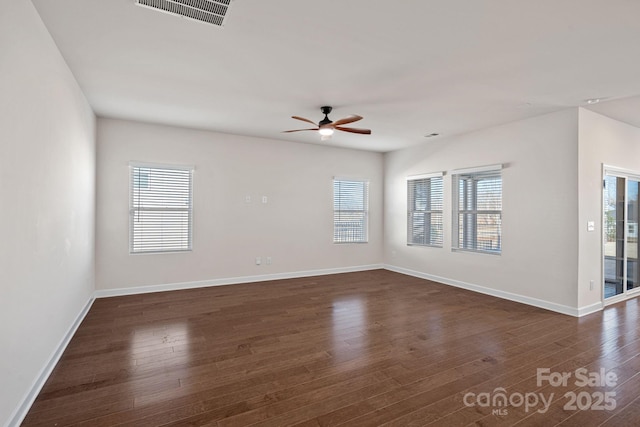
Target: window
x=160, y=209
x=424, y=210
x=477, y=213
x=350, y=211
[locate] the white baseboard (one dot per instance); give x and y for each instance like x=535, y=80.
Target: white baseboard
x=590, y=309
x=27, y=401
x=547, y=305
x=106, y=293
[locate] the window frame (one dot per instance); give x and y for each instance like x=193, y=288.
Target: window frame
x=134, y=246
x=475, y=175
x=364, y=211
x=427, y=222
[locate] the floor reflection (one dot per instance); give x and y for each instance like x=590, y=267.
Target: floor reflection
x=610, y=328
x=156, y=351
x=623, y=329
x=349, y=321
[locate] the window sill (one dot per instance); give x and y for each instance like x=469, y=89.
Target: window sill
x=477, y=251
x=161, y=252
x=421, y=245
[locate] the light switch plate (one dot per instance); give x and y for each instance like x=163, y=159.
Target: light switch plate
x=591, y=226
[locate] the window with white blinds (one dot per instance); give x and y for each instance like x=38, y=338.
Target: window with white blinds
x=424, y=210
x=160, y=209
x=350, y=211
x=477, y=216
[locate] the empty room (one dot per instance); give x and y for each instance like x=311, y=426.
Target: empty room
x=358, y=213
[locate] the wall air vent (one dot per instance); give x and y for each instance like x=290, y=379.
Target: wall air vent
x=209, y=11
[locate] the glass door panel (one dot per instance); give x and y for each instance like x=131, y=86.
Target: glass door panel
x=614, y=239
x=632, y=234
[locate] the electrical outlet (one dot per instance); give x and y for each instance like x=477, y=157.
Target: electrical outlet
x=268, y=260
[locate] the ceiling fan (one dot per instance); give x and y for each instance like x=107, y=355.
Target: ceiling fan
x=326, y=127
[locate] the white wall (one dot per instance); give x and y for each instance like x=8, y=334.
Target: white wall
x=47, y=169
x=602, y=141
x=294, y=227
x=540, y=206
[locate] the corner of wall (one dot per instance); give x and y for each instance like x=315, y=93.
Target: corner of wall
x=545, y=264
x=603, y=141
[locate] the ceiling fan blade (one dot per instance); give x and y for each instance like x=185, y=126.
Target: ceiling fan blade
x=354, y=130
x=352, y=118
x=297, y=130
x=304, y=120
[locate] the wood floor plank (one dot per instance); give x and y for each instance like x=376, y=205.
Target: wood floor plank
x=452, y=411
x=357, y=349
x=625, y=395
x=579, y=352
x=628, y=416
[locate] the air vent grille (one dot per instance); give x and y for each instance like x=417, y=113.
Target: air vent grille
x=210, y=11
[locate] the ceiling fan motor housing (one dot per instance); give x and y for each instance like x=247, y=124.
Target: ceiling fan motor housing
x=326, y=111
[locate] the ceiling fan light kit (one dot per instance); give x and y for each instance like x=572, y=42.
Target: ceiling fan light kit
x=326, y=126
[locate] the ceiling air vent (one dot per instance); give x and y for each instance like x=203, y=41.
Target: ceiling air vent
x=209, y=11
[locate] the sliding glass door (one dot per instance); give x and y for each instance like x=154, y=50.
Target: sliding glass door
x=621, y=245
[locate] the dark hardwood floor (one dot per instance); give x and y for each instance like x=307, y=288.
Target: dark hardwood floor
x=359, y=349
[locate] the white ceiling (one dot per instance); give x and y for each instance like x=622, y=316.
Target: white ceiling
x=409, y=67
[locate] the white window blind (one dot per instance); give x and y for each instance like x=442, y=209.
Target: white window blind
x=160, y=212
x=350, y=211
x=477, y=216
x=424, y=211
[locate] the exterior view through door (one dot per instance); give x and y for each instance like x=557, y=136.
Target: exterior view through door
x=620, y=228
